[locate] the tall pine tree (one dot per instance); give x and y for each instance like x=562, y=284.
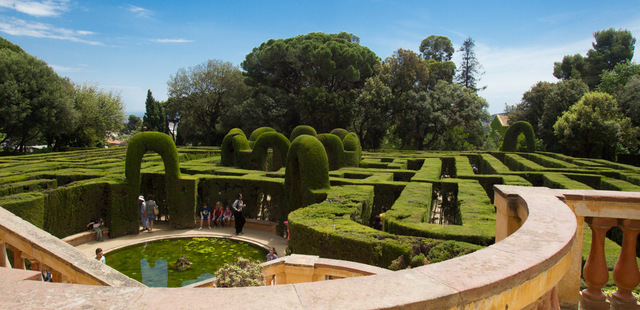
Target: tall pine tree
x=470, y=68
x=154, y=118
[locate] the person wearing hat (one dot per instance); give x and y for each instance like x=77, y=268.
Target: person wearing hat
x=143, y=213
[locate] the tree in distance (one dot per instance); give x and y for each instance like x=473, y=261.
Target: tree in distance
x=470, y=68
x=155, y=118
x=611, y=47
x=201, y=95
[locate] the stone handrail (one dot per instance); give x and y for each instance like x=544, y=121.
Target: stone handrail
x=46, y=252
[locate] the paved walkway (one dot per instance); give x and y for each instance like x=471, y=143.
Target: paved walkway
x=162, y=230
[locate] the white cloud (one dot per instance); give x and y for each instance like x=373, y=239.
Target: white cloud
x=171, y=40
x=37, y=8
x=509, y=72
x=65, y=69
x=140, y=12
x=19, y=27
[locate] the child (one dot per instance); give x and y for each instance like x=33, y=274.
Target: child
x=99, y=255
x=205, y=214
x=217, y=213
x=227, y=216
x=272, y=254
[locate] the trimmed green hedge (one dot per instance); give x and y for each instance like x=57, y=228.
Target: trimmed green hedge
x=307, y=170
x=256, y=133
x=340, y=132
x=328, y=229
x=302, y=130
x=511, y=137
x=29, y=206
x=334, y=148
x=280, y=145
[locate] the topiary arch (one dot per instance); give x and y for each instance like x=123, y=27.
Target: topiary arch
x=232, y=144
x=180, y=213
x=280, y=145
x=307, y=170
x=511, y=137
x=302, y=130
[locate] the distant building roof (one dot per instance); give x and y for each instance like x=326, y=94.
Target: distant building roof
x=503, y=118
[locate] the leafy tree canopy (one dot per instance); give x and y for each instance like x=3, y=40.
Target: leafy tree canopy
x=593, y=126
x=34, y=100
x=201, y=95
x=438, y=48
x=611, y=47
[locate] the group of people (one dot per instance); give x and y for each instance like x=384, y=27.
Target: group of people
x=220, y=216
x=148, y=211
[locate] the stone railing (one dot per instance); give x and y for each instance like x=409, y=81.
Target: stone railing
x=530, y=267
x=46, y=252
x=601, y=210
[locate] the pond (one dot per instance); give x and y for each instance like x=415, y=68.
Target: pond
x=152, y=263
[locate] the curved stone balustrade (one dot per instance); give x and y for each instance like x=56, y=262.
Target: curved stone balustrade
x=521, y=271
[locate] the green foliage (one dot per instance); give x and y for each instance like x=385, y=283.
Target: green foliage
x=340, y=132
x=29, y=206
x=511, y=136
x=34, y=101
x=595, y=115
x=278, y=143
x=202, y=94
x=302, y=130
x=438, y=48
x=181, y=206
x=611, y=47
x=100, y=112
x=352, y=151
x=155, y=118
x=372, y=114
x=311, y=77
x=133, y=125
x=470, y=68
x=256, y=133
x=307, y=170
x=240, y=274
x=424, y=118
x=334, y=148
x=234, y=142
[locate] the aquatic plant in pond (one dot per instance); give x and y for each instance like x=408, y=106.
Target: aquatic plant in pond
x=152, y=263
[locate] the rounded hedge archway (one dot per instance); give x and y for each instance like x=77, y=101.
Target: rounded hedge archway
x=511, y=137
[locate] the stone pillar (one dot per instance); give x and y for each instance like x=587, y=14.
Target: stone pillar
x=4, y=260
x=625, y=273
x=35, y=265
x=507, y=218
x=299, y=268
x=18, y=261
x=595, y=272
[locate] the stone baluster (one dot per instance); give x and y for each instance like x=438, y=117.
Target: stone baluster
x=625, y=273
x=4, y=260
x=18, y=261
x=595, y=270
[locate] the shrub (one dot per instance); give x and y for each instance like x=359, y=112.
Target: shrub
x=240, y=274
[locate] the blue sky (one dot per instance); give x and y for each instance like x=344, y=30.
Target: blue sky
x=137, y=45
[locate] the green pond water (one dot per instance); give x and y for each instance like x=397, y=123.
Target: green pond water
x=152, y=263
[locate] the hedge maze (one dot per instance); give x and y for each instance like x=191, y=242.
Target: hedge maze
x=324, y=185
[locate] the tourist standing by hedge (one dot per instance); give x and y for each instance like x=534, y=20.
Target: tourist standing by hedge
x=237, y=207
x=151, y=208
x=142, y=206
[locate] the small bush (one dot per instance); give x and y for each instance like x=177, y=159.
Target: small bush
x=240, y=274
